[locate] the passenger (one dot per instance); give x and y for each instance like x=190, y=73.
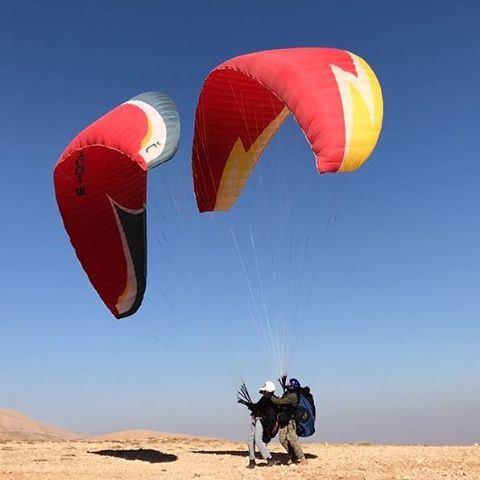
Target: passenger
x=264, y=424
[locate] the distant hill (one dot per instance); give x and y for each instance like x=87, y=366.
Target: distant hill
x=16, y=426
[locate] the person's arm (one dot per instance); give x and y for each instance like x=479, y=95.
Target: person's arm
x=289, y=399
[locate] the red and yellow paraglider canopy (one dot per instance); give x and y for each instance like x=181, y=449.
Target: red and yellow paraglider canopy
x=333, y=94
x=101, y=190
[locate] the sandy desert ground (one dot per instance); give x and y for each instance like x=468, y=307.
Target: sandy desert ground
x=172, y=457
x=32, y=450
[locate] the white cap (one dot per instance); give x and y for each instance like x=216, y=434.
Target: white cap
x=268, y=387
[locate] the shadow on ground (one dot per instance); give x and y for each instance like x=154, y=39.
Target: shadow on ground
x=145, y=455
x=279, y=457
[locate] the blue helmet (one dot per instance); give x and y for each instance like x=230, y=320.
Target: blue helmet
x=294, y=384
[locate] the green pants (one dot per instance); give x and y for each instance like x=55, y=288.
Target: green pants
x=289, y=439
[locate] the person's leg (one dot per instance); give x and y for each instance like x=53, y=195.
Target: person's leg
x=251, y=443
x=262, y=447
x=282, y=438
x=291, y=454
x=292, y=438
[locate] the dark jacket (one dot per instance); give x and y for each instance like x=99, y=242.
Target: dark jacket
x=266, y=411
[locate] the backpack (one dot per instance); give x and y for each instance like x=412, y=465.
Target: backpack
x=305, y=414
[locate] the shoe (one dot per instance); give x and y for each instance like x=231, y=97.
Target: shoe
x=271, y=462
x=290, y=461
x=251, y=464
x=302, y=461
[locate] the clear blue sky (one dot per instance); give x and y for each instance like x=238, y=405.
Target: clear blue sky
x=391, y=334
